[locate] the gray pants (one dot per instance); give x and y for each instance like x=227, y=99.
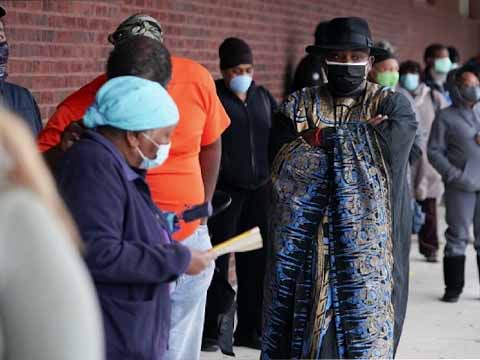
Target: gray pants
x=188, y=296
x=462, y=210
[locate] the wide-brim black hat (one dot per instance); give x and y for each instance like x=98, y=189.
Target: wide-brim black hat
x=347, y=33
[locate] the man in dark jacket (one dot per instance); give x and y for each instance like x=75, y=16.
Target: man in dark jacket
x=437, y=66
x=454, y=151
x=310, y=69
x=245, y=176
x=15, y=97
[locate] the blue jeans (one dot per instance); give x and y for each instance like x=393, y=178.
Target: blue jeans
x=188, y=296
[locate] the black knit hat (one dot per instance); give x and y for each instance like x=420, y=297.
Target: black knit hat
x=3, y=12
x=234, y=52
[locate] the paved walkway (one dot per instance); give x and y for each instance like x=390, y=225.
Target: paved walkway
x=433, y=329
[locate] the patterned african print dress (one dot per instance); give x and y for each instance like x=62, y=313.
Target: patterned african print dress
x=331, y=261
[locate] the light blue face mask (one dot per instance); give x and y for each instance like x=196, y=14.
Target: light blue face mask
x=443, y=65
x=410, y=82
x=470, y=93
x=240, y=83
x=162, y=155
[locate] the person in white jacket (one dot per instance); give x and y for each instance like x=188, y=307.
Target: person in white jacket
x=427, y=182
x=48, y=307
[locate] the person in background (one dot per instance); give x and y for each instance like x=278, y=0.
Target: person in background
x=386, y=45
x=454, y=56
x=474, y=62
x=309, y=71
x=437, y=65
x=138, y=56
x=385, y=70
x=454, y=151
x=14, y=97
x=427, y=182
x=128, y=248
x=245, y=176
x=187, y=178
x=39, y=261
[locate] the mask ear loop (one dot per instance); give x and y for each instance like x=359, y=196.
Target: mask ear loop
x=151, y=140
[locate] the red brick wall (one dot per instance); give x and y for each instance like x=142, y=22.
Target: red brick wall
x=58, y=45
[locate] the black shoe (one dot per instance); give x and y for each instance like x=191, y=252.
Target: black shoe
x=451, y=296
x=454, y=275
x=432, y=258
x=209, y=345
x=253, y=342
x=478, y=264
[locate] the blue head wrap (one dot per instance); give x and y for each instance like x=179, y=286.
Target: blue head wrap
x=132, y=103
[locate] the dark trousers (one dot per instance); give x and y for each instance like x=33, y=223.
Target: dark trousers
x=248, y=209
x=428, y=235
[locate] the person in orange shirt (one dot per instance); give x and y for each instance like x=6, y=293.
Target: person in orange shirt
x=187, y=178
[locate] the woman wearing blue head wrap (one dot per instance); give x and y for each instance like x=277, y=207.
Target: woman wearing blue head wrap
x=137, y=113
x=128, y=248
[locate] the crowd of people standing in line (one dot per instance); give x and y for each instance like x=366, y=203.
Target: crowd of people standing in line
x=336, y=177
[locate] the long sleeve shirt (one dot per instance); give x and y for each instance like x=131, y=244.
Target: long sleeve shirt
x=128, y=249
x=48, y=307
x=21, y=101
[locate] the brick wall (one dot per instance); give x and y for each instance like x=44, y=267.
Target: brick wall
x=58, y=45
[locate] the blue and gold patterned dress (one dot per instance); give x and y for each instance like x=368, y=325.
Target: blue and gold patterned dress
x=337, y=277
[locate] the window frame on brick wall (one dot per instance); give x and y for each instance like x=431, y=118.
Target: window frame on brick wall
x=464, y=8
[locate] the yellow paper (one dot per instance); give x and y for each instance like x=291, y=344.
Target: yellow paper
x=247, y=241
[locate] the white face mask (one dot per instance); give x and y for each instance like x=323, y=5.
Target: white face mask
x=162, y=155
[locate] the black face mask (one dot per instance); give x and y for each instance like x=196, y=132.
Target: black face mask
x=346, y=79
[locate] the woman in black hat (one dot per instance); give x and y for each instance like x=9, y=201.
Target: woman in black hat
x=341, y=153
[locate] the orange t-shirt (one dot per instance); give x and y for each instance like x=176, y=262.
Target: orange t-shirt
x=178, y=183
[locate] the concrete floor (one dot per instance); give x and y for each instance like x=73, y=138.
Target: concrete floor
x=433, y=329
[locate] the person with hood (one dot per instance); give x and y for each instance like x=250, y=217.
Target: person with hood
x=454, y=151
x=16, y=98
x=437, y=65
x=340, y=223
x=310, y=71
x=426, y=182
